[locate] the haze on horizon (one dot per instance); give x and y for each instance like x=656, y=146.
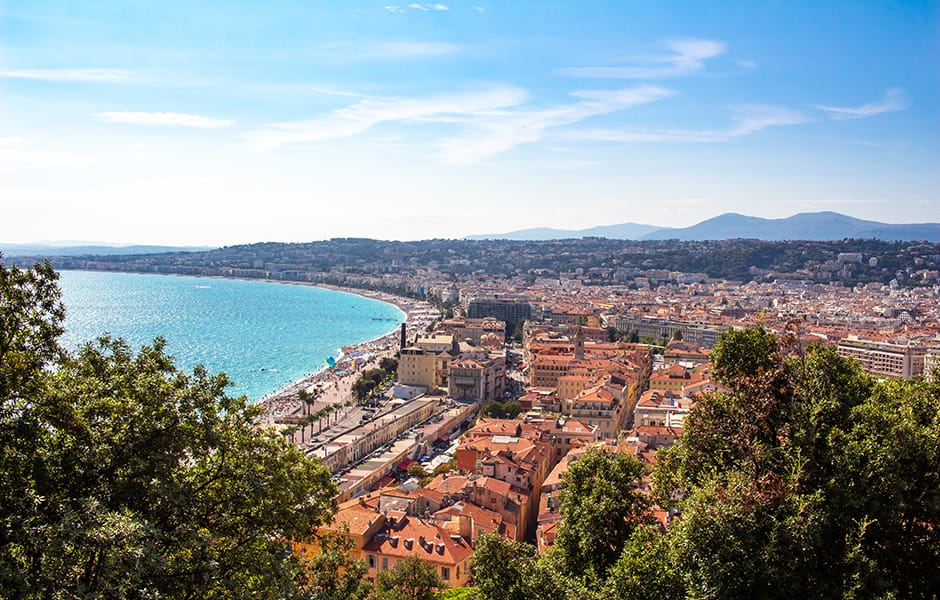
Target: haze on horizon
x=218, y=123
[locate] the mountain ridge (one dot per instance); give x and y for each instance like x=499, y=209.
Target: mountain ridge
x=94, y=248
x=812, y=226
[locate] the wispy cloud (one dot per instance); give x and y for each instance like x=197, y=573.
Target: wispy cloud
x=686, y=56
x=746, y=120
x=893, y=101
x=499, y=131
x=416, y=6
x=70, y=75
x=492, y=122
x=164, y=119
x=365, y=114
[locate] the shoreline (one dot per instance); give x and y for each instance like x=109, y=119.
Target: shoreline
x=331, y=387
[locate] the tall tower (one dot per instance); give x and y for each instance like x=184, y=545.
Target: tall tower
x=403, y=338
x=579, y=344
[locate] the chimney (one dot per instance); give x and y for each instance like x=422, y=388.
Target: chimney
x=466, y=526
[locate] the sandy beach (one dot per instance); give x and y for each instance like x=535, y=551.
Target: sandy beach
x=333, y=386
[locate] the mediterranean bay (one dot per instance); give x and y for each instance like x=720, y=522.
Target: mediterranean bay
x=263, y=335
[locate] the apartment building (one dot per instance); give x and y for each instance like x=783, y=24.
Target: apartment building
x=510, y=310
x=884, y=359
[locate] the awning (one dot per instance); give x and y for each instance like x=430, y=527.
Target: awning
x=403, y=465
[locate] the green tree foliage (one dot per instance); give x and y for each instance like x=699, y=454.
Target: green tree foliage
x=369, y=381
x=333, y=573
x=810, y=479
x=508, y=570
x=500, y=568
x=410, y=579
x=502, y=410
x=463, y=593
x=124, y=477
x=389, y=365
x=646, y=568
x=600, y=509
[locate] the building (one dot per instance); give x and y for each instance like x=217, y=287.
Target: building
x=463, y=329
x=477, y=375
x=931, y=363
x=702, y=335
x=883, y=359
x=511, y=310
x=660, y=409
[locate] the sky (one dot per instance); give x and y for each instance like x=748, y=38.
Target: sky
x=226, y=122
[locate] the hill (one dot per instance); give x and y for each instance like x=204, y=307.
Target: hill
x=819, y=226
x=68, y=249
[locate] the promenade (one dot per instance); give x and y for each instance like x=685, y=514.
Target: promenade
x=333, y=386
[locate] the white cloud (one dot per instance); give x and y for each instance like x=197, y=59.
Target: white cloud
x=893, y=101
x=479, y=9
x=499, y=131
x=751, y=118
x=747, y=119
x=416, y=6
x=71, y=75
x=687, y=55
x=492, y=121
x=363, y=115
x=427, y=7
x=164, y=119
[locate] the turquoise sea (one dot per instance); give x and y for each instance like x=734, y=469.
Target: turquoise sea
x=263, y=335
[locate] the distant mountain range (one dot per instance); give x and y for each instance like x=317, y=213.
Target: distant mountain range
x=803, y=226
x=93, y=249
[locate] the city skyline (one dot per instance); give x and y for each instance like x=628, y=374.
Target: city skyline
x=219, y=124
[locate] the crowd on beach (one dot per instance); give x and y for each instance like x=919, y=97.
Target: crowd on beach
x=333, y=385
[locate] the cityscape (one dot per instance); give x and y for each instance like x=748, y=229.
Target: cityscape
x=518, y=357
x=470, y=300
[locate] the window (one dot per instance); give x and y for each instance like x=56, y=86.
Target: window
x=384, y=562
x=371, y=561
x=445, y=573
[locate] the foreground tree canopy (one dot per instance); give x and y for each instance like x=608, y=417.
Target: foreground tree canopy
x=121, y=476
x=809, y=480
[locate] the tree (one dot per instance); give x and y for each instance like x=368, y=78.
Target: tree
x=410, y=579
x=810, y=479
x=500, y=568
x=645, y=568
x=389, y=365
x=417, y=471
x=135, y=479
x=333, y=573
x=600, y=507
x=502, y=410
x=508, y=570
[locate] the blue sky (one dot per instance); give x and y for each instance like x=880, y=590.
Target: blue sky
x=231, y=122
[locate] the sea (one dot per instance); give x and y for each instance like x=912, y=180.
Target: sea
x=263, y=335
